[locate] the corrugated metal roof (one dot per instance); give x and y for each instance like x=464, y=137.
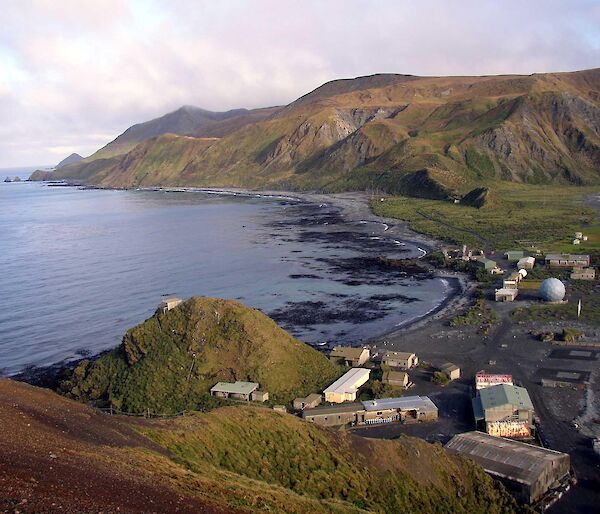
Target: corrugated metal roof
x=347, y=352
x=340, y=408
x=477, y=408
x=504, y=394
x=398, y=355
x=346, y=383
x=530, y=260
x=420, y=403
x=449, y=366
x=565, y=257
x=234, y=387
x=517, y=461
x=395, y=375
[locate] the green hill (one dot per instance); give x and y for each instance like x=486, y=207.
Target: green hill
x=58, y=455
x=434, y=137
x=169, y=362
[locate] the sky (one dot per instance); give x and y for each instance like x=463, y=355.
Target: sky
x=74, y=74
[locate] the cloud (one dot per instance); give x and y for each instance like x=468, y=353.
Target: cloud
x=74, y=74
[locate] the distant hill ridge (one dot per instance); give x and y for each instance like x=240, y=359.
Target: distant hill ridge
x=436, y=137
x=71, y=159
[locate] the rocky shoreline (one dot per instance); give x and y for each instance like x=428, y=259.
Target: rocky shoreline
x=354, y=207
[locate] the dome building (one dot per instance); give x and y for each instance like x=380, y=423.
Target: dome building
x=552, y=290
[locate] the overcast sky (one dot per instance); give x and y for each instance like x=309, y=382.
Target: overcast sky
x=76, y=73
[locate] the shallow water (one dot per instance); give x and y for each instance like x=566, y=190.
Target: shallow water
x=78, y=267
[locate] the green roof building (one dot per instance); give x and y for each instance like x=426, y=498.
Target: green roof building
x=485, y=263
x=504, y=410
x=515, y=255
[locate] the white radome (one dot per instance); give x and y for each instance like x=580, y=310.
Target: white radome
x=552, y=290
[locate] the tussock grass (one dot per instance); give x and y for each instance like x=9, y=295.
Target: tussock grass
x=169, y=363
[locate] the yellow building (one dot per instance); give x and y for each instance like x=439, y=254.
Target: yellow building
x=344, y=389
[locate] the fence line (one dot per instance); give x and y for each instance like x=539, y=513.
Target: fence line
x=147, y=414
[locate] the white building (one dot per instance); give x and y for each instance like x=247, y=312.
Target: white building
x=506, y=294
x=169, y=303
x=483, y=380
x=526, y=263
x=344, y=389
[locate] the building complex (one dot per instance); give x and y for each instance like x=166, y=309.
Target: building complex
x=386, y=410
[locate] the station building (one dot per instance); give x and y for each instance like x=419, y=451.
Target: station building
x=239, y=391
x=406, y=409
x=310, y=402
x=349, y=356
x=566, y=260
x=504, y=411
x=344, y=389
x=528, y=472
x=402, y=360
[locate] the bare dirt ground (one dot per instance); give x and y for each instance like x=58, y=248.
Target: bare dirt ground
x=59, y=456
x=508, y=348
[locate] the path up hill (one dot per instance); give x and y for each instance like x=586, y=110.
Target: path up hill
x=434, y=137
x=58, y=455
x=169, y=363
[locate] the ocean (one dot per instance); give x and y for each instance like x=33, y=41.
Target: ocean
x=79, y=267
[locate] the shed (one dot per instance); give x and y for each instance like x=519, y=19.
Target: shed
x=526, y=263
x=259, y=396
x=583, y=273
x=514, y=255
x=386, y=410
x=334, y=415
x=280, y=408
x=349, y=356
x=395, y=378
x=169, y=303
x=402, y=360
x=527, y=471
x=310, y=402
x=486, y=264
x=506, y=294
x=451, y=370
x=237, y=390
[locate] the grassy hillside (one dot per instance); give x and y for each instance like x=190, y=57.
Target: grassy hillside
x=512, y=213
x=406, y=475
x=169, y=362
x=434, y=137
x=60, y=455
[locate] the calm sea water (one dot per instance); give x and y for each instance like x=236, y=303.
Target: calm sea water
x=79, y=267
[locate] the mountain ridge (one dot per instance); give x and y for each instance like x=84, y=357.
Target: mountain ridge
x=437, y=137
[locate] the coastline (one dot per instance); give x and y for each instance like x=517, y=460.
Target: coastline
x=354, y=208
